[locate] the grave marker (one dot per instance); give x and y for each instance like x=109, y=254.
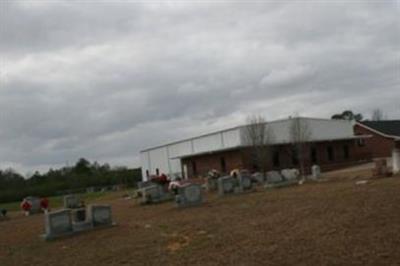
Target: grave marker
x=189, y=195
x=71, y=202
x=58, y=223
x=274, y=177
x=226, y=184
x=99, y=215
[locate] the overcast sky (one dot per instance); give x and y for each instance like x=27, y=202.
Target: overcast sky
x=105, y=79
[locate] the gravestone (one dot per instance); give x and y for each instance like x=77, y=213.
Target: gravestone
x=35, y=203
x=99, y=215
x=274, y=177
x=244, y=182
x=259, y=177
x=315, y=172
x=212, y=183
x=290, y=174
x=154, y=194
x=71, y=202
x=226, y=184
x=189, y=195
x=58, y=223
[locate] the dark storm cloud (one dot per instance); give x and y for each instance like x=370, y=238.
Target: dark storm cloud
x=104, y=79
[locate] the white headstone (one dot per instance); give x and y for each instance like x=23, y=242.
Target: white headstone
x=189, y=195
x=71, y=202
x=226, y=184
x=99, y=215
x=396, y=161
x=274, y=177
x=58, y=223
x=35, y=203
x=316, y=172
x=290, y=174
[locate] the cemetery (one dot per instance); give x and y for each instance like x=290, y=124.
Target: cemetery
x=333, y=221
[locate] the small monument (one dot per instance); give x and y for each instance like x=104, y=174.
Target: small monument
x=226, y=185
x=71, y=202
x=153, y=194
x=58, y=223
x=396, y=157
x=189, y=195
x=245, y=182
x=99, y=215
x=315, y=172
x=274, y=177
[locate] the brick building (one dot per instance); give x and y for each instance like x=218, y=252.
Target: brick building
x=332, y=144
x=383, y=135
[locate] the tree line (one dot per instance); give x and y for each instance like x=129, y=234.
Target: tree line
x=84, y=174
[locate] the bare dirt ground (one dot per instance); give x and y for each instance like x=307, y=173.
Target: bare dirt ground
x=327, y=223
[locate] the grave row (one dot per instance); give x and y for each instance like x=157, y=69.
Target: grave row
x=71, y=221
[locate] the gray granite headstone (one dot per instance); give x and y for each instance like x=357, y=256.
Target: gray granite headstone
x=35, y=203
x=99, y=215
x=71, y=202
x=290, y=174
x=226, y=184
x=259, y=177
x=274, y=177
x=189, y=195
x=245, y=182
x=58, y=223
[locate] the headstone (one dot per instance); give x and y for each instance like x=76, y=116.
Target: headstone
x=316, y=172
x=99, y=215
x=245, y=182
x=274, y=177
x=212, y=183
x=290, y=174
x=35, y=203
x=226, y=184
x=396, y=159
x=259, y=177
x=189, y=195
x=71, y=202
x=58, y=223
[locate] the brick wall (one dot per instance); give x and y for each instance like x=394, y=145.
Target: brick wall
x=241, y=158
x=378, y=145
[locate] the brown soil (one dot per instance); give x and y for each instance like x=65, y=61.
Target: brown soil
x=328, y=223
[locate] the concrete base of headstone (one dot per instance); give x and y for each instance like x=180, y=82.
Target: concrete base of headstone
x=189, y=195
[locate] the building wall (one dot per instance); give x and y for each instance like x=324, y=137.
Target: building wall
x=377, y=145
x=164, y=159
x=241, y=158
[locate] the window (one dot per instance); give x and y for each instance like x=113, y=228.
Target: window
x=314, y=158
x=331, y=154
x=346, y=154
x=361, y=142
x=194, y=168
x=223, y=165
x=157, y=172
x=276, y=161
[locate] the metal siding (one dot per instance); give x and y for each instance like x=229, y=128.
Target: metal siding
x=144, y=161
x=159, y=160
x=231, y=138
x=207, y=143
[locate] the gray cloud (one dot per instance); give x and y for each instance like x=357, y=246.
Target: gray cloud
x=104, y=79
